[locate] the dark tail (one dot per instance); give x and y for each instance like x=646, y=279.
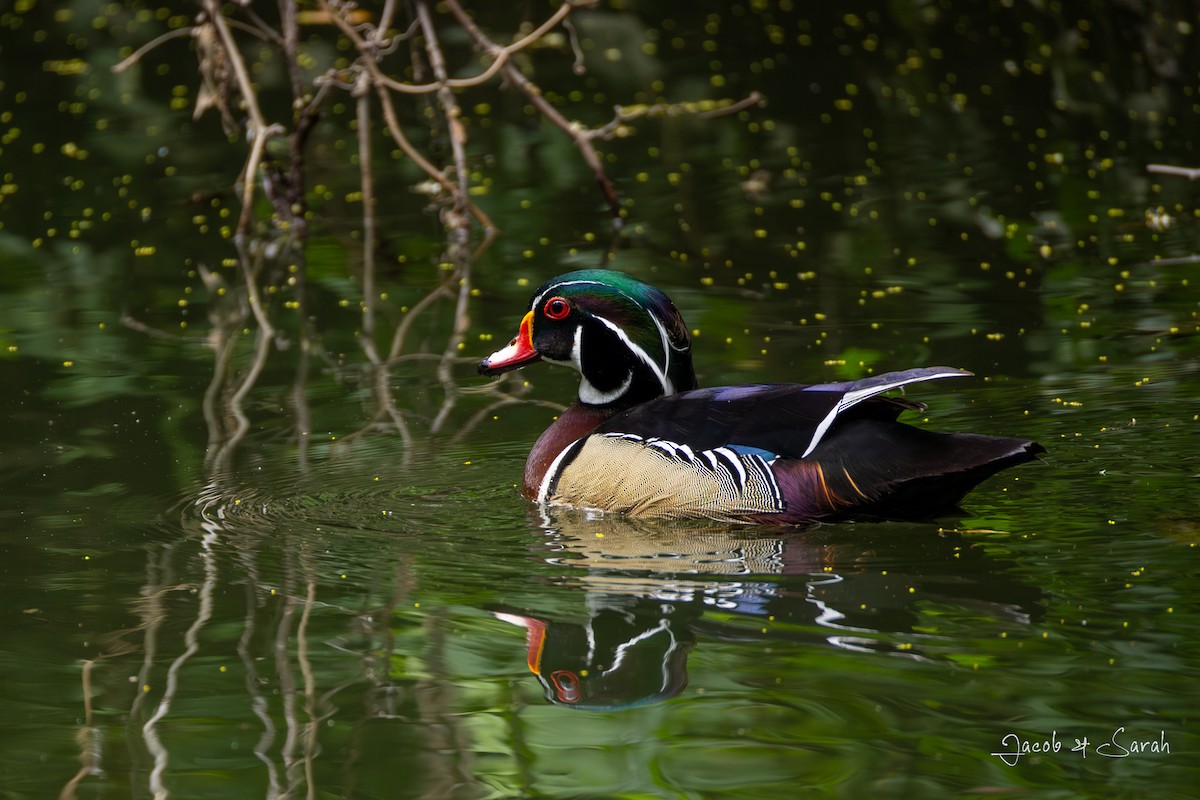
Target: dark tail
x=876, y=468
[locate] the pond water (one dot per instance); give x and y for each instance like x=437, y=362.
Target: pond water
x=252, y=562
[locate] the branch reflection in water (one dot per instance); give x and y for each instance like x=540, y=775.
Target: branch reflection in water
x=303, y=703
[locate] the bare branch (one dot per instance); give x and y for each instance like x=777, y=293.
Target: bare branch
x=577, y=132
x=442, y=290
x=1190, y=173
x=136, y=56
x=705, y=109
x=500, y=55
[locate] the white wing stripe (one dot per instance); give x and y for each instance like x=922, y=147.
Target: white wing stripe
x=856, y=396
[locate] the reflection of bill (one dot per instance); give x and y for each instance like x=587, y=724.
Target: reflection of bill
x=617, y=659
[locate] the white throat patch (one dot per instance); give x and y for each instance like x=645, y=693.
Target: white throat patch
x=592, y=396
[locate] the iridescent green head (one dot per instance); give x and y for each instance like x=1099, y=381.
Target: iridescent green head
x=625, y=337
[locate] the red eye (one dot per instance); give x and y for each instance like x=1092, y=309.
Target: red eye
x=557, y=308
x=566, y=685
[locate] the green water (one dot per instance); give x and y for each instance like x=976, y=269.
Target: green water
x=328, y=586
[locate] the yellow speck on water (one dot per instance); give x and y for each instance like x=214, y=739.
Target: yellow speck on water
x=68, y=363
x=467, y=463
x=223, y=668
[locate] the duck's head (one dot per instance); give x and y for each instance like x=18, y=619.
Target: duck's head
x=624, y=336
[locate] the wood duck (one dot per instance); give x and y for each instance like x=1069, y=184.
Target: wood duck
x=643, y=440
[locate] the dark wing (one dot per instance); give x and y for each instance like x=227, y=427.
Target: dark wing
x=787, y=419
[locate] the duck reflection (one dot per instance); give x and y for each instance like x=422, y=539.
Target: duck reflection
x=617, y=658
x=651, y=590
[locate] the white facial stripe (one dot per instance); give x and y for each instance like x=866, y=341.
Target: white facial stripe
x=577, y=349
x=537, y=301
x=668, y=384
x=641, y=354
x=587, y=392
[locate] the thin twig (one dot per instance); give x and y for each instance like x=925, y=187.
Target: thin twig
x=500, y=54
x=136, y=56
x=462, y=321
x=366, y=176
x=440, y=291
x=458, y=134
x=1169, y=262
x=1190, y=173
x=397, y=134
x=707, y=109
x=258, y=128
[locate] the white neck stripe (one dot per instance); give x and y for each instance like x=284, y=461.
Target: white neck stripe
x=642, y=355
x=590, y=395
